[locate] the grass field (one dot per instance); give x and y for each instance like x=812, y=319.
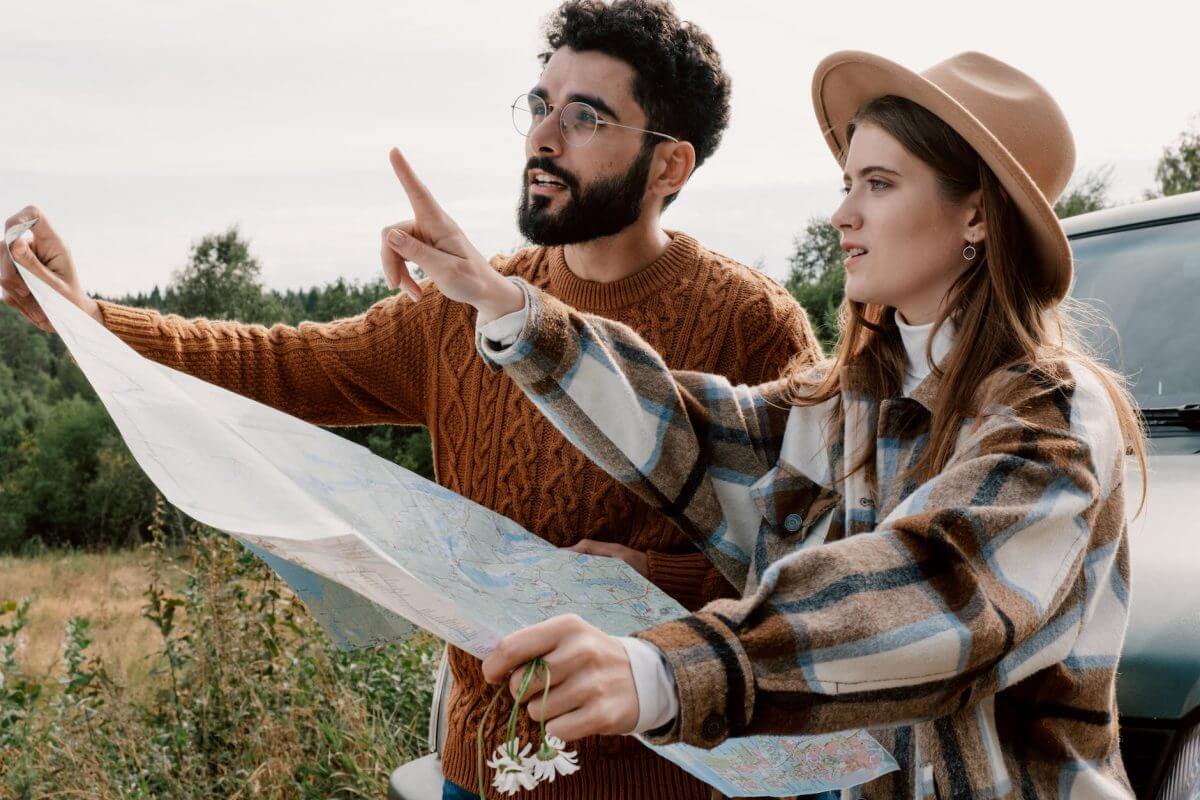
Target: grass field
x=192, y=673
x=107, y=588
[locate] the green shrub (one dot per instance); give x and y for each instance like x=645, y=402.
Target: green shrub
x=249, y=697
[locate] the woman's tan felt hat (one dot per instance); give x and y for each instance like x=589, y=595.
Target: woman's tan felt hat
x=1011, y=121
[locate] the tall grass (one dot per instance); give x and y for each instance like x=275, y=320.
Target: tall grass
x=247, y=697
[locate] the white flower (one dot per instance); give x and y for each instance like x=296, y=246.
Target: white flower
x=513, y=772
x=553, y=760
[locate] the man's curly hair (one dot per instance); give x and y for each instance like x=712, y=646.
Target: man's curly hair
x=678, y=82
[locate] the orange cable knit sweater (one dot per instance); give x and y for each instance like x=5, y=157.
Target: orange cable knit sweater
x=409, y=363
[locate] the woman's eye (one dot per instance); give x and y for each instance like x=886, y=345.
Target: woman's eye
x=876, y=184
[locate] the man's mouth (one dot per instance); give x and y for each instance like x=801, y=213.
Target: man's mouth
x=544, y=183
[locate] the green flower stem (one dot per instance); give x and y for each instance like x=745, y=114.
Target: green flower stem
x=479, y=741
x=545, y=694
x=530, y=669
x=526, y=679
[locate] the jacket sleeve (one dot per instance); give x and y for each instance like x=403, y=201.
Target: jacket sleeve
x=691, y=578
x=689, y=444
x=370, y=369
x=971, y=584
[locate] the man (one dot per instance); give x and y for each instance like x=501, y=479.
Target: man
x=629, y=102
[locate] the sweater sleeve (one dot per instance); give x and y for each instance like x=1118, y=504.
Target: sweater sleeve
x=370, y=369
x=794, y=347
x=971, y=584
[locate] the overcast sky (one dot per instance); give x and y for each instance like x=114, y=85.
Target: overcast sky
x=139, y=126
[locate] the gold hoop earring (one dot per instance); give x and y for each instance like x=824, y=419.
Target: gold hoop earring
x=969, y=252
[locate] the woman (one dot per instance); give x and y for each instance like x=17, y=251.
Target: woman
x=929, y=528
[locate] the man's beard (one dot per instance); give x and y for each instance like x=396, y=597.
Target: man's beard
x=605, y=207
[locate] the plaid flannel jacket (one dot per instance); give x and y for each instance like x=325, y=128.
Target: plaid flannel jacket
x=972, y=623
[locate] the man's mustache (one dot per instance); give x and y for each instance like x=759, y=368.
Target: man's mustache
x=548, y=166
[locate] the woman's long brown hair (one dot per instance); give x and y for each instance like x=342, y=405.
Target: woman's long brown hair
x=1002, y=313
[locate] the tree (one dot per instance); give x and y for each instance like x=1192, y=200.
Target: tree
x=76, y=485
x=1178, y=169
x=66, y=477
x=221, y=281
x=1088, y=193
x=816, y=277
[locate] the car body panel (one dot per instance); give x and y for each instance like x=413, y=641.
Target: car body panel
x=1159, y=672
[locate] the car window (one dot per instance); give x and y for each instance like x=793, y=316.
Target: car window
x=1145, y=284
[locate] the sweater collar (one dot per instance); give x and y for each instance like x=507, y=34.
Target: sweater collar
x=682, y=253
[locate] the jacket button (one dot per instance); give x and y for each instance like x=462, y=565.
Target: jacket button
x=713, y=727
x=792, y=522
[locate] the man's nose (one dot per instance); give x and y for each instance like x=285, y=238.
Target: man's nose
x=545, y=139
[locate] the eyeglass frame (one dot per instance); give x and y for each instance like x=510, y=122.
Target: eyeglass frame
x=595, y=115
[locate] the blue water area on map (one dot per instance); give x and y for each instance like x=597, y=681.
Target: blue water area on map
x=486, y=579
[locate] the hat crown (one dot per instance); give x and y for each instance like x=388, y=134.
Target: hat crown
x=1017, y=111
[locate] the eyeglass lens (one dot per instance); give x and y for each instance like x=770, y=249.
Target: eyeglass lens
x=577, y=120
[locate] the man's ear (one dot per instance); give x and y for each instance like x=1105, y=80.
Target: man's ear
x=673, y=165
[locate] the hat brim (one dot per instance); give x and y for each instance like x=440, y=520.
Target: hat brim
x=845, y=81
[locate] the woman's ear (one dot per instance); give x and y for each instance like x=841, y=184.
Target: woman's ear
x=678, y=161
x=975, y=230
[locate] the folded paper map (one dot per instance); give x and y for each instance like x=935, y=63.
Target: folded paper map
x=373, y=549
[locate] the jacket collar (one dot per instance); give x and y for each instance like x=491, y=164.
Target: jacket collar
x=852, y=380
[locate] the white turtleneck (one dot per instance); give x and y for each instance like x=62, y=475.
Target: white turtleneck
x=915, y=338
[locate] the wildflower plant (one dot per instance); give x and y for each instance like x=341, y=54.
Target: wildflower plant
x=516, y=766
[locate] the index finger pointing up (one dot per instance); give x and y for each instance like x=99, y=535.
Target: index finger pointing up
x=418, y=195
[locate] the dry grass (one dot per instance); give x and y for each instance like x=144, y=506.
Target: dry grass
x=251, y=699
x=104, y=587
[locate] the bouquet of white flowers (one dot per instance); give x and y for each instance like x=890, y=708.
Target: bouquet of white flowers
x=515, y=767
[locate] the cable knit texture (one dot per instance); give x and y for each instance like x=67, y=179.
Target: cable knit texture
x=411, y=363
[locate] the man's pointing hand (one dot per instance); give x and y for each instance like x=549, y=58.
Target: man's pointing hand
x=435, y=243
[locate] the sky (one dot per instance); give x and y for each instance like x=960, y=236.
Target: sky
x=139, y=126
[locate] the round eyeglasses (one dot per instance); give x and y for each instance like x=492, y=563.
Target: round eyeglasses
x=577, y=120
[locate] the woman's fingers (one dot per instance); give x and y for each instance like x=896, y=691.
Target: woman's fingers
x=591, y=681
x=563, y=697
x=395, y=267
x=444, y=268
x=590, y=720
x=424, y=206
x=527, y=644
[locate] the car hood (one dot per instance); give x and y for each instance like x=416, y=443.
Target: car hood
x=1160, y=663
